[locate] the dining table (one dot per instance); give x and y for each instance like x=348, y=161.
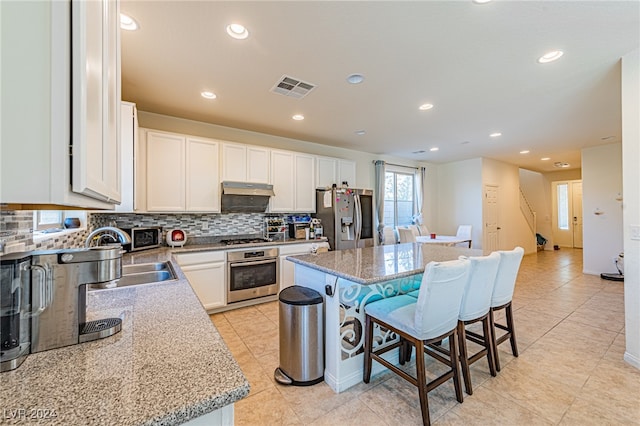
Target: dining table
x=447, y=240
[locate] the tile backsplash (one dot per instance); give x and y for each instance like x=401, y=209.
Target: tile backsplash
x=17, y=226
x=195, y=225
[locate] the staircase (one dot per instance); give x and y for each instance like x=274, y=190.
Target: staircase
x=528, y=213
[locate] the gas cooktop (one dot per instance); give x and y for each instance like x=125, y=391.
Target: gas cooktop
x=236, y=241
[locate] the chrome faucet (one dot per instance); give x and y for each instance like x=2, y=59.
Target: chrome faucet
x=101, y=233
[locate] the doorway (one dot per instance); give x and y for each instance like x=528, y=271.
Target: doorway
x=567, y=213
x=491, y=232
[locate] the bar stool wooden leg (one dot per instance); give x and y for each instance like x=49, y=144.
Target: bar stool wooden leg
x=368, y=347
x=488, y=344
x=512, y=330
x=464, y=358
x=421, y=376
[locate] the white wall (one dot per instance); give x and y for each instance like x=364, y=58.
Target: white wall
x=536, y=189
x=459, y=198
x=601, y=184
x=631, y=200
x=364, y=167
x=514, y=230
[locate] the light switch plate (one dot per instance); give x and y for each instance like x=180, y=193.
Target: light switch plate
x=635, y=232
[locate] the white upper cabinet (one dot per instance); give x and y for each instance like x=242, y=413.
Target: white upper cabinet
x=245, y=163
x=96, y=99
x=39, y=78
x=202, y=178
x=128, y=145
x=305, y=188
x=335, y=170
x=181, y=173
x=165, y=161
x=293, y=180
x=347, y=173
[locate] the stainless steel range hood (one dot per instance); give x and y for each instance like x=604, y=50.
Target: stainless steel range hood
x=243, y=197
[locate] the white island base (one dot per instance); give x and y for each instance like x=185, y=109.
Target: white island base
x=344, y=322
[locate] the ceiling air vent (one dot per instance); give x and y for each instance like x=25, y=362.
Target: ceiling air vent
x=292, y=87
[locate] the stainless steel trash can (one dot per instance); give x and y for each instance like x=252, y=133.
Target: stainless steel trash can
x=301, y=337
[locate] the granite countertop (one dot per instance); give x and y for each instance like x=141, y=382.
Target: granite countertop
x=381, y=263
x=168, y=365
x=221, y=246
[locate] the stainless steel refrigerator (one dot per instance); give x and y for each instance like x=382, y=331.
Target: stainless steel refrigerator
x=347, y=217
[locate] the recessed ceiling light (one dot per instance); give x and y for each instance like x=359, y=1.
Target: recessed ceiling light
x=360, y=132
x=525, y=151
x=495, y=134
x=550, y=56
x=208, y=95
x=128, y=23
x=545, y=159
x=434, y=149
x=355, y=78
x=481, y=1
x=561, y=165
x=237, y=31
x=425, y=107
x=298, y=117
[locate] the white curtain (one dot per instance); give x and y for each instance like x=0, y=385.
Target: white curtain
x=419, y=188
x=380, y=179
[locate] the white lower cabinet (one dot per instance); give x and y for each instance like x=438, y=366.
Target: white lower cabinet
x=287, y=268
x=206, y=274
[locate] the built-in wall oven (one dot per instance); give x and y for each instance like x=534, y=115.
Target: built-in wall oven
x=252, y=273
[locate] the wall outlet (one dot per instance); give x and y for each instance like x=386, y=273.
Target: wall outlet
x=635, y=232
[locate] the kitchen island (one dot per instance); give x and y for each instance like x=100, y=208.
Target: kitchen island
x=167, y=366
x=348, y=280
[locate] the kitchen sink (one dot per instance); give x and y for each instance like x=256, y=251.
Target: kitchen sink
x=146, y=267
x=144, y=273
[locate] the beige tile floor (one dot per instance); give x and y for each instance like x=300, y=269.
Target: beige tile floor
x=570, y=330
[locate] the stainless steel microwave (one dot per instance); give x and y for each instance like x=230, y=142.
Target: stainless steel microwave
x=143, y=238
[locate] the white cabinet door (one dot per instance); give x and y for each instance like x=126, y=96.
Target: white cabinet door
x=202, y=177
x=305, y=188
x=258, y=164
x=128, y=142
x=234, y=162
x=208, y=282
x=287, y=268
x=282, y=179
x=326, y=172
x=347, y=173
x=165, y=165
x=96, y=99
x=245, y=163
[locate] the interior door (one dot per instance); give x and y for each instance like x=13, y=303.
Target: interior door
x=576, y=204
x=567, y=213
x=491, y=228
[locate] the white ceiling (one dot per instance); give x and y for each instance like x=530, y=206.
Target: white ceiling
x=475, y=63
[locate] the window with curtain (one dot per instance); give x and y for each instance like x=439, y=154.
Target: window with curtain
x=399, y=198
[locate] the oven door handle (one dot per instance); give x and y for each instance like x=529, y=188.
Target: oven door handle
x=249, y=262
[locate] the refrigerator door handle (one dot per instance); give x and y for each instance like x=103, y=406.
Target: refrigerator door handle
x=358, y=214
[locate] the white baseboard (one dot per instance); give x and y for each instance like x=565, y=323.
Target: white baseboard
x=632, y=360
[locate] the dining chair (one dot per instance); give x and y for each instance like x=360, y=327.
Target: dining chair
x=406, y=235
x=419, y=323
x=464, y=233
x=414, y=229
x=501, y=299
x=389, y=235
x=423, y=229
x=475, y=307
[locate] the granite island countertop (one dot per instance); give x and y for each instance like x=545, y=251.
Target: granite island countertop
x=168, y=365
x=381, y=263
